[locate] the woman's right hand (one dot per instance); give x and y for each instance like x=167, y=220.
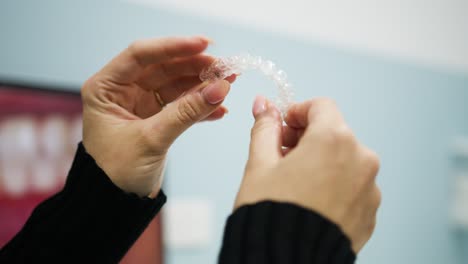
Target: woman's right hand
x=323, y=168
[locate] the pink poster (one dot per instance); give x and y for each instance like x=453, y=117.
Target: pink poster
x=39, y=132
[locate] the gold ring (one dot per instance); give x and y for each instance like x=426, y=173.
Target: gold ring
x=159, y=99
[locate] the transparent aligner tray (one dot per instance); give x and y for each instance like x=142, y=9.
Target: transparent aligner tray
x=226, y=66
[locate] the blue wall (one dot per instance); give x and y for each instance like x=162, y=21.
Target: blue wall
x=408, y=113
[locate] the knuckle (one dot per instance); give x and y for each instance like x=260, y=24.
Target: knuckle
x=135, y=47
x=316, y=106
x=344, y=134
x=321, y=101
x=372, y=225
x=187, y=112
x=260, y=128
x=378, y=197
x=372, y=162
x=341, y=135
x=376, y=200
x=86, y=89
x=325, y=101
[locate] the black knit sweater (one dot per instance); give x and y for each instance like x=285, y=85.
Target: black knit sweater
x=93, y=221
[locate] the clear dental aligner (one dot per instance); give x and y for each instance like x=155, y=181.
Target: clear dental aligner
x=227, y=66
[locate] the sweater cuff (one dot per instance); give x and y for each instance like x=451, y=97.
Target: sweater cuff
x=86, y=176
x=273, y=232
x=106, y=207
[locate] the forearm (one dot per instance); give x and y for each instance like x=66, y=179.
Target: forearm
x=90, y=220
x=272, y=232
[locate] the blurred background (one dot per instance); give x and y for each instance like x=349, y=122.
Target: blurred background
x=398, y=70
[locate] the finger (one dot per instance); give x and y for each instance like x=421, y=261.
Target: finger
x=219, y=113
x=187, y=110
x=285, y=151
x=231, y=78
x=265, y=144
x=290, y=136
x=148, y=105
x=318, y=112
x=151, y=101
x=174, y=69
x=370, y=163
x=296, y=116
x=174, y=89
x=191, y=66
x=130, y=64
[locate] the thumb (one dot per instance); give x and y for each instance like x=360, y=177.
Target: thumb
x=187, y=110
x=265, y=144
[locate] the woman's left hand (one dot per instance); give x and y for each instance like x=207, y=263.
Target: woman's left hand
x=138, y=104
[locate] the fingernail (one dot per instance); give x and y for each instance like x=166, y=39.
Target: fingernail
x=259, y=105
x=215, y=92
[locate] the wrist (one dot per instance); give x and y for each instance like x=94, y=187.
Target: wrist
x=129, y=171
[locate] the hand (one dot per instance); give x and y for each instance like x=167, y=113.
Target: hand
x=127, y=128
x=324, y=167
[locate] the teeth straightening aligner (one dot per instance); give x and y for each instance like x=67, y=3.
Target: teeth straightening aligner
x=226, y=66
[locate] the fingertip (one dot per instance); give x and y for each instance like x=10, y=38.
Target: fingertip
x=207, y=40
x=259, y=106
x=263, y=107
x=225, y=109
x=265, y=144
x=198, y=43
x=217, y=114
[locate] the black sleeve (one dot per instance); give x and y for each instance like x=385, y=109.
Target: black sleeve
x=90, y=221
x=283, y=233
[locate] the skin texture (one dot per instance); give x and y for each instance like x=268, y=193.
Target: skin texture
x=126, y=129
x=315, y=162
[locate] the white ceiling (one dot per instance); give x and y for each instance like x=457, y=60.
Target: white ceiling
x=431, y=32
